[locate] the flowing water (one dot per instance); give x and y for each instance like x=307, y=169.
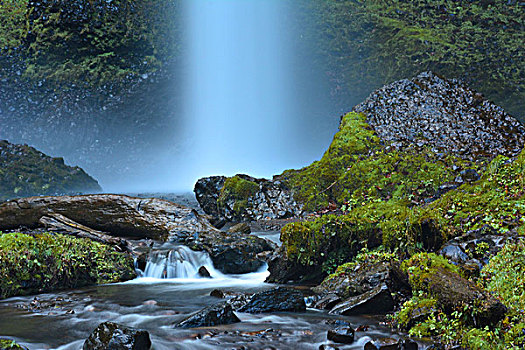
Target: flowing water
x=169, y=290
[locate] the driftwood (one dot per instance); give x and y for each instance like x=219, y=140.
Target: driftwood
x=61, y=224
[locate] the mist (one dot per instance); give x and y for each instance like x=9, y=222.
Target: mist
x=245, y=97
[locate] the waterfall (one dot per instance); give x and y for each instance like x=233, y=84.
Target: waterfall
x=239, y=90
x=179, y=262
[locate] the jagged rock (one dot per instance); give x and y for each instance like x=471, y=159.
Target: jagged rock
x=240, y=228
x=254, y=199
x=278, y=299
x=283, y=270
x=391, y=344
x=137, y=218
x=109, y=335
x=356, y=281
x=28, y=172
x=376, y=301
x=210, y=316
x=327, y=302
x=344, y=335
x=207, y=191
x=444, y=114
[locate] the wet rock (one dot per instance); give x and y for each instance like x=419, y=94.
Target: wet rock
x=240, y=228
x=468, y=175
x=217, y=293
x=454, y=253
x=207, y=191
x=282, y=270
x=328, y=347
x=391, y=344
x=109, y=335
x=118, y=215
x=356, y=280
x=344, y=335
x=461, y=121
x=138, y=218
x=452, y=292
x=376, y=301
x=203, y=272
x=277, y=299
x=267, y=199
x=327, y=302
x=214, y=315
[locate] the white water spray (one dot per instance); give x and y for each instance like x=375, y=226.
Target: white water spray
x=180, y=262
x=238, y=101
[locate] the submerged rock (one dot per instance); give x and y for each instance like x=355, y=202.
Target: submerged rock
x=109, y=335
x=343, y=335
x=28, y=172
x=214, y=315
x=274, y=300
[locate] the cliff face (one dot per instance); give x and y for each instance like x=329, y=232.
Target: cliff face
x=24, y=171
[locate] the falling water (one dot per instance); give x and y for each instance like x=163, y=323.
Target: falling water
x=179, y=262
x=239, y=88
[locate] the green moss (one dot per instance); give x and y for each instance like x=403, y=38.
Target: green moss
x=8, y=344
x=413, y=309
x=28, y=172
x=497, y=200
x=420, y=268
x=357, y=169
x=235, y=194
x=391, y=40
x=88, y=42
x=504, y=275
x=45, y=262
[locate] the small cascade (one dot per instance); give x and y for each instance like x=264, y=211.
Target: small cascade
x=178, y=262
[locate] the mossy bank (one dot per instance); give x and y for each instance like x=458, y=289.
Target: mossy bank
x=43, y=262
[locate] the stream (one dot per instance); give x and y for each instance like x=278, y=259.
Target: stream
x=65, y=319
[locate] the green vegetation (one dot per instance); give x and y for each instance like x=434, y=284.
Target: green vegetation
x=422, y=316
x=88, y=42
x=32, y=264
x=370, y=43
x=27, y=172
x=357, y=169
x=237, y=190
x=9, y=344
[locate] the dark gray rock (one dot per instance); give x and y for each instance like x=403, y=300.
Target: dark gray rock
x=376, y=301
x=272, y=200
x=240, y=228
x=443, y=114
x=278, y=299
x=391, y=344
x=344, y=335
x=203, y=272
x=210, y=316
x=112, y=336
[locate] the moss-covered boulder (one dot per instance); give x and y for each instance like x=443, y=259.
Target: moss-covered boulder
x=43, y=262
x=24, y=172
x=242, y=198
x=435, y=276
